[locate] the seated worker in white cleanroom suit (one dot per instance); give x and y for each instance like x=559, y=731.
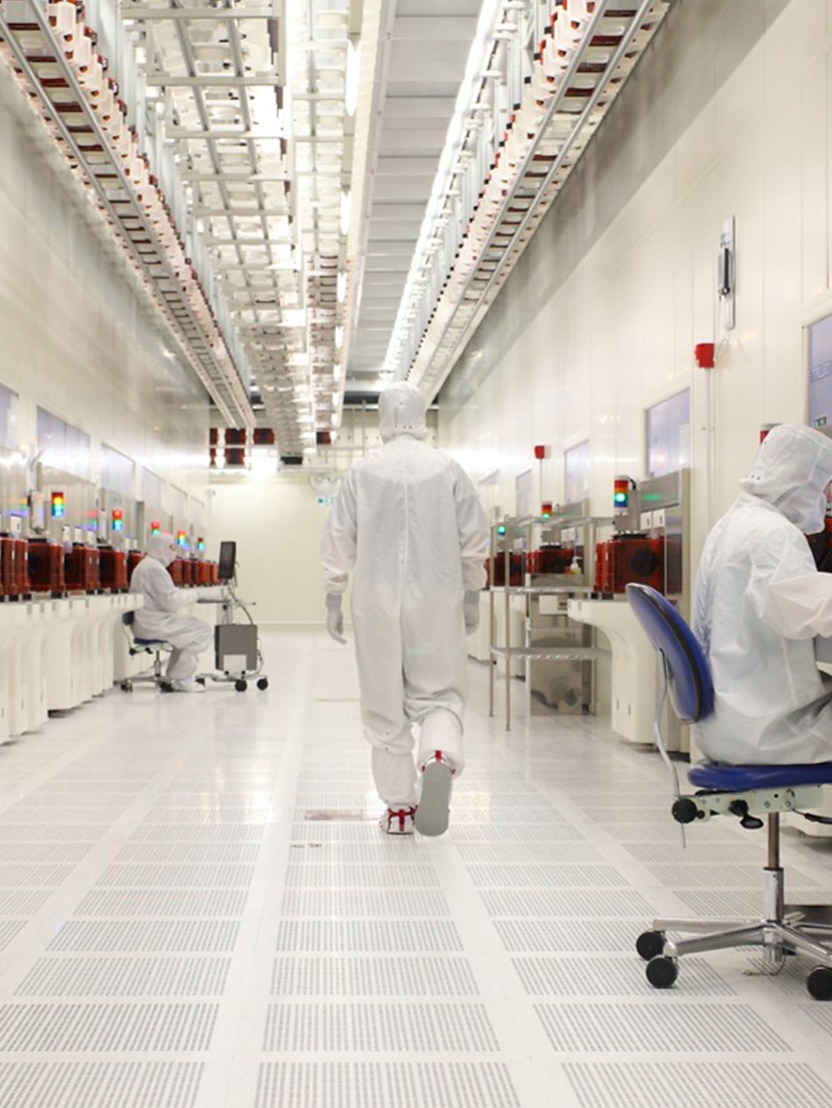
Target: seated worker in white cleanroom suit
x=759, y=602
x=159, y=618
x=409, y=526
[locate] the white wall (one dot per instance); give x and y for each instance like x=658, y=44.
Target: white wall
x=277, y=525
x=600, y=317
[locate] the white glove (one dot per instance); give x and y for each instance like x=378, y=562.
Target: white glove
x=471, y=611
x=334, y=617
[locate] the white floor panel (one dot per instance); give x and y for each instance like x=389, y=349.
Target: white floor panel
x=198, y=910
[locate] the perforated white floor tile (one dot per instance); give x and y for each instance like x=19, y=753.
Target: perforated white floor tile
x=368, y=877
x=743, y=903
x=364, y=902
x=125, y=1028
x=381, y=1085
x=711, y=1028
x=55, y=832
x=547, y=876
x=662, y=1085
x=615, y=975
x=162, y=902
x=580, y=934
x=515, y=833
x=339, y=975
x=177, y=876
x=698, y=875
x=360, y=935
x=222, y=833
x=187, y=936
x=449, y=1027
x=566, y=902
x=127, y=1084
x=109, y=976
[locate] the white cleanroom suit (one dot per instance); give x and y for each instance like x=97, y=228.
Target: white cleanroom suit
x=759, y=602
x=408, y=525
x=159, y=617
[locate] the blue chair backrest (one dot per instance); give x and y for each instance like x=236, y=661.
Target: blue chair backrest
x=689, y=680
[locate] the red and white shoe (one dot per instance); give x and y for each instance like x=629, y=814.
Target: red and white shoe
x=398, y=821
x=434, y=811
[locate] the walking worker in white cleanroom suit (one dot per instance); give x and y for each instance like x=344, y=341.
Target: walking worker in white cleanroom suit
x=759, y=602
x=159, y=618
x=409, y=526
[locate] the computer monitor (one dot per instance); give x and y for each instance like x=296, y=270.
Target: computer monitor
x=227, y=566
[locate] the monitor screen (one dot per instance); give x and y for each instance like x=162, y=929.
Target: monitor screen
x=227, y=563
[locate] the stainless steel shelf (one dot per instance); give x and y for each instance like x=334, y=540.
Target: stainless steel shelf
x=541, y=590
x=550, y=653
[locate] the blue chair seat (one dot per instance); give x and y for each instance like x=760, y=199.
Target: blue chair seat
x=148, y=642
x=716, y=777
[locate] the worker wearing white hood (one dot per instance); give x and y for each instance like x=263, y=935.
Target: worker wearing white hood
x=159, y=617
x=759, y=602
x=408, y=525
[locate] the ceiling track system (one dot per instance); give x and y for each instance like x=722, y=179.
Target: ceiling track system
x=530, y=117
x=239, y=109
x=52, y=55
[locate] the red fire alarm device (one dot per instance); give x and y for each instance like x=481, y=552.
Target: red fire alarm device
x=540, y=452
x=704, y=354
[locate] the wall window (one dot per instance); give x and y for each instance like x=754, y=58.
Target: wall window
x=489, y=493
x=152, y=488
x=667, y=428
x=820, y=373
x=8, y=418
x=523, y=494
x=116, y=471
x=576, y=472
x=178, y=505
x=64, y=446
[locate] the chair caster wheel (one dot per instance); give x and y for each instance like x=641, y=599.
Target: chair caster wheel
x=662, y=972
x=819, y=983
x=166, y=686
x=263, y=683
x=650, y=944
x=240, y=685
x=126, y=686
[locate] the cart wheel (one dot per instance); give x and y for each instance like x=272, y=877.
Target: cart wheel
x=263, y=683
x=240, y=685
x=126, y=686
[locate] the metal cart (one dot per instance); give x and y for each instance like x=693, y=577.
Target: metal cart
x=237, y=655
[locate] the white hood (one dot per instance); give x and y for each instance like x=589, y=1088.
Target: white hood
x=162, y=547
x=791, y=471
x=401, y=411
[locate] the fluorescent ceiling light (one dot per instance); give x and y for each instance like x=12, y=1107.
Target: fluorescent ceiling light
x=352, y=76
x=345, y=212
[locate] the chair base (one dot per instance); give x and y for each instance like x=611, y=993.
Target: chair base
x=781, y=930
x=156, y=677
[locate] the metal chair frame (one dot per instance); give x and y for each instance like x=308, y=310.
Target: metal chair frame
x=754, y=794
x=157, y=648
